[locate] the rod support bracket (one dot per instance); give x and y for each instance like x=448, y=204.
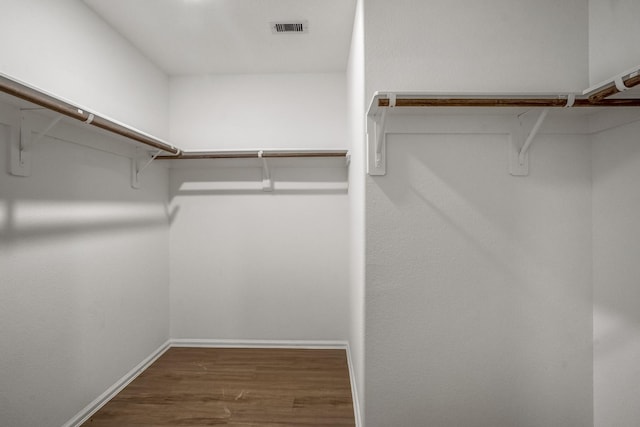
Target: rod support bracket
x=267, y=183
x=21, y=143
x=138, y=165
x=571, y=100
x=620, y=84
x=19, y=149
x=518, y=151
x=377, y=141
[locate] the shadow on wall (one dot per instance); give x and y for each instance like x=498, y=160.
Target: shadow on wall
x=422, y=175
x=488, y=280
x=16, y=229
x=74, y=191
x=84, y=273
x=464, y=181
x=247, y=176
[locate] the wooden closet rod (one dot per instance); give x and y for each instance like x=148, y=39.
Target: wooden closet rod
x=35, y=96
x=254, y=154
x=595, y=99
x=612, y=89
x=507, y=102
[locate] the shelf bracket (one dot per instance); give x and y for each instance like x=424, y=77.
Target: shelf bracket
x=22, y=141
x=381, y=138
x=377, y=139
x=519, y=153
x=377, y=144
x=267, y=183
x=51, y=125
x=137, y=168
x=20, y=153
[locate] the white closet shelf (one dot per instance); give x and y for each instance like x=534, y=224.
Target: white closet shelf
x=255, y=154
x=28, y=96
x=66, y=108
x=404, y=100
x=61, y=106
x=615, y=93
x=595, y=96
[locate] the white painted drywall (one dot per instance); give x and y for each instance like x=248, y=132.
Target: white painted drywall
x=84, y=258
x=248, y=264
x=259, y=111
x=616, y=318
x=356, y=114
x=478, y=284
x=491, y=45
x=64, y=48
x=85, y=291
x=613, y=36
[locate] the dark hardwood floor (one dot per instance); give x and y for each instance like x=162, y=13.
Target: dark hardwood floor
x=236, y=387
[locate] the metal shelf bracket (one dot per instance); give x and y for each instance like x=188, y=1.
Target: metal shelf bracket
x=267, y=183
x=377, y=138
x=22, y=141
x=137, y=167
x=519, y=152
x=377, y=144
x=381, y=138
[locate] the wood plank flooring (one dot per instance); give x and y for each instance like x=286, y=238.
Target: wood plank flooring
x=236, y=387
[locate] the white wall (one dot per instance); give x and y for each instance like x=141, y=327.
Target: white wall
x=478, y=283
x=64, y=48
x=259, y=111
x=616, y=318
x=248, y=264
x=84, y=262
x=356, y=114
x=490, y=45
x=613, y=36
x=613, y=32
x=84, y=258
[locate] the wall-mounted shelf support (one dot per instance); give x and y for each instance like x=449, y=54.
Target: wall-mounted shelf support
x=593, y=97
x=137, y=169
x=22, y=141
x=381, y=138
x=19, y=155
x=518, y=153
x=377, y=150
x=267, y=183
x=532, y=135
x=51, y=125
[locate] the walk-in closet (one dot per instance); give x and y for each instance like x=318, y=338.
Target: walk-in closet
x=319, y=212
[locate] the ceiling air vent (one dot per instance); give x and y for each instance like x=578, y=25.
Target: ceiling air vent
x=289, y=27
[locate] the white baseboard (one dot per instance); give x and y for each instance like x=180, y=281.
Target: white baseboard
x=212, y=343
x=110, y=393
x=100, y=401
x=354, y=388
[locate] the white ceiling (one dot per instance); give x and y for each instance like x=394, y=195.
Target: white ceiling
x=233, y=36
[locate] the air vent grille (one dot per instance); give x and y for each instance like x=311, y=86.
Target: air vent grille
x=289, y=27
